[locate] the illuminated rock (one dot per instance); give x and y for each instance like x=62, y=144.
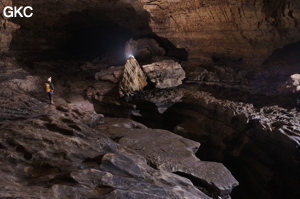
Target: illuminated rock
x=143, y=48
x=292, y=85
x=133, y=78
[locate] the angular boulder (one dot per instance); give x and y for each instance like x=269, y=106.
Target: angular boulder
x=133, y=78
x=165, y=74
x=168, y=152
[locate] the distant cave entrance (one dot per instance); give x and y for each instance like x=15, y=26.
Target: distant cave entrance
x=77, y=35
x=86, y=34
x=91, y=42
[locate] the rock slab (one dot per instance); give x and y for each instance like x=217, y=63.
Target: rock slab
x=164, y=74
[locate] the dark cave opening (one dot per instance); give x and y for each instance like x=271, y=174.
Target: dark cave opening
x=72, y=40
x=85, y=35
x=91, y=42
x=283, y=62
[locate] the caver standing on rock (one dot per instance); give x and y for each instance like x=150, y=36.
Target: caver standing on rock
x=49, y=88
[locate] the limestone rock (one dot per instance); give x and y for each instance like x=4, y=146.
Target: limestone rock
x=243, y=30
x=112, y=74
x=88, y=66
x=236, y=30
x=6, y=28
x=165, y=74
x=198, y=75
x=292, y=85
x=219, y=76
x=133, y=78
x=114, y=163
x=228, y=130
x=93, y=119
x=50, y=151
x=172, y=153
x=143, y=48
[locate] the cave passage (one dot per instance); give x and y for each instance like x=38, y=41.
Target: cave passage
x=92, y=42
x=85, y=35
x=92, y=33
x=76, y=36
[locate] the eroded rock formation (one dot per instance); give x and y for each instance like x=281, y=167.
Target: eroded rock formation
x=51, y=151
x=238, y=30
x=245, y=31
x=238, y=134
x=164, y=74
x=133, y=78
x=242, y=113
x=6, y=27
x=171, y=153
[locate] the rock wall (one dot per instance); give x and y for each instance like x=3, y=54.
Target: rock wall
x=247, y=31
x=6, y=27
x=244, y=30
x=260, y=146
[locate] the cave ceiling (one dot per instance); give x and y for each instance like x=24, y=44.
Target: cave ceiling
x=246, y=31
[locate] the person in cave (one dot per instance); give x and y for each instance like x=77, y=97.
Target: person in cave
x=49, y=88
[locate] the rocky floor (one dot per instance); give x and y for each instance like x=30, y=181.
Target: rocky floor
x=67, y=150
x=253, y=130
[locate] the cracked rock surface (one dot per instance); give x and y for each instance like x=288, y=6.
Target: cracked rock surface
x=66, y=150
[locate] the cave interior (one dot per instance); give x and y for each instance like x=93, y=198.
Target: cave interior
x=99, y=34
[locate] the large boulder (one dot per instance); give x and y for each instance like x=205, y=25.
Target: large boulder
x=168, y=152
x=133, y=78
x=164, y=74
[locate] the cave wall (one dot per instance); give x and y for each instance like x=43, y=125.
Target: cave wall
x=6, y=28
x=247, y=31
